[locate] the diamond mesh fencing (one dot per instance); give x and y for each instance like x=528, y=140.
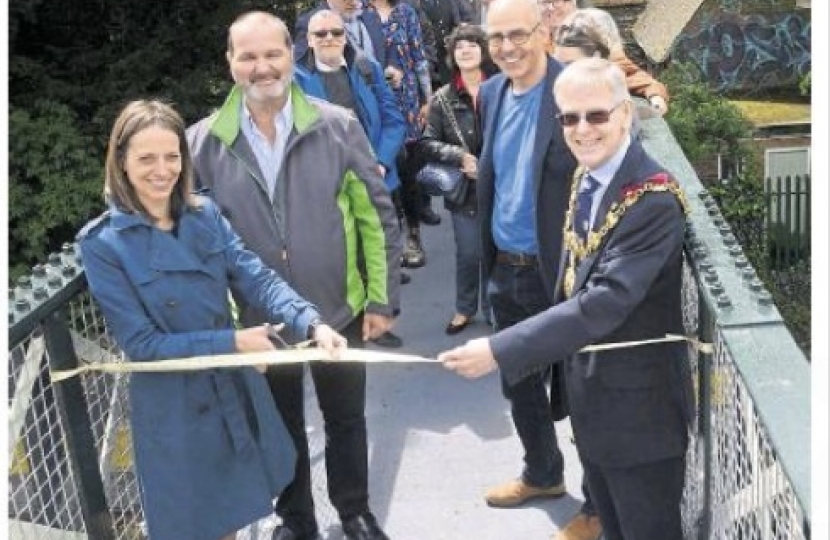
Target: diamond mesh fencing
x=42, y=495
x=752, y=499
x=749, y=496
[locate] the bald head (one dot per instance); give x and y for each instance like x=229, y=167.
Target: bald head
x=260, y=20
x=518, y=7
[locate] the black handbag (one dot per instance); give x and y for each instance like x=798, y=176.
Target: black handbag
x=440, y=179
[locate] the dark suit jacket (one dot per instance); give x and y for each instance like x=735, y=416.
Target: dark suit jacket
x=553, y=167
x=369, y=18
x=627, y=406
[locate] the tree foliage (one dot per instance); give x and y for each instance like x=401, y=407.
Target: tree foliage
x=72, y=65
x=706, y=124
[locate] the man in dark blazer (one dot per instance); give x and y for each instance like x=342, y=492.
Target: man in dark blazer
x=620, y=281
x=525, y=172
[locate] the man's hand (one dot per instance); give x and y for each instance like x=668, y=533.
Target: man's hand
x=375, y=325
x=474, y=359
x=382, y=170
x=330, y=341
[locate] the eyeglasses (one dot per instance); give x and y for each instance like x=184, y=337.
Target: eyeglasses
x=594, y=117
x=333, y=32
x=516, y=37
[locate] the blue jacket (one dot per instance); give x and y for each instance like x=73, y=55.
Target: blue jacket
x=377, y=108
x=211, y=450
x=369, y=18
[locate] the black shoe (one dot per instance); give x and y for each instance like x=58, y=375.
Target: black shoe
x=388, y=340
x=363, y=527
x=284, y=533
x=428, y=216
x=453, y=328
x=405, y=279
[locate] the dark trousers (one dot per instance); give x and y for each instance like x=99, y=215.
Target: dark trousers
x=516, y=293
x=408, y=164
x=469, y=292
x=341, y=395
x=640, y=502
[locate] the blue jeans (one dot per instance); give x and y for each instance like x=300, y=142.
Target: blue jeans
x=516, y=293
x=469, y=295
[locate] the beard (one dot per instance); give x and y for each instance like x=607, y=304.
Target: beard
x=277, y=91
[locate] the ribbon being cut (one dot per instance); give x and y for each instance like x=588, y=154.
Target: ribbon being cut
x=302, y=352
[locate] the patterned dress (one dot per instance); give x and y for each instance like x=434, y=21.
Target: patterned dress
x=405, y=51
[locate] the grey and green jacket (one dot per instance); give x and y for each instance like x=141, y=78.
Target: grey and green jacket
x=329, y=228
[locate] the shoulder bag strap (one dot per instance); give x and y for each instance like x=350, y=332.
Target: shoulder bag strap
x=451, y=117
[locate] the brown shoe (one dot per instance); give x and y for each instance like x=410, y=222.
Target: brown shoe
x=581, y=527
x=516, y=493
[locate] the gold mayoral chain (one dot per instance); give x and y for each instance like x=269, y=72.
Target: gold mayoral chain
x=579, y=249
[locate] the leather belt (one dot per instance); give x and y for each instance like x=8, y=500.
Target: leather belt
x=516, y=259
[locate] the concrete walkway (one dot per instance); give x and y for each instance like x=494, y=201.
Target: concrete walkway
x=437, y=441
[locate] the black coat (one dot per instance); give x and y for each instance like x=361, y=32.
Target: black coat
x=440, y=141
x=632, y=405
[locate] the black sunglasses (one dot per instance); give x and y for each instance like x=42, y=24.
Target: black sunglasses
x=334, y=32
x=594, y=117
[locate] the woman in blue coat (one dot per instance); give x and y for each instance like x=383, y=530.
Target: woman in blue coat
x=211, y=451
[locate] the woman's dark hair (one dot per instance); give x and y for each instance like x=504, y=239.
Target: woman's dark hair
x=584, y=37
x=137, y=116
x=472, y=33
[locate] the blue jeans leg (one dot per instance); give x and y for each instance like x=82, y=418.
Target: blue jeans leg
x=467, y=263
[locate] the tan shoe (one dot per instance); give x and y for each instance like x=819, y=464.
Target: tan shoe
x=581, y=527
x=516, y=492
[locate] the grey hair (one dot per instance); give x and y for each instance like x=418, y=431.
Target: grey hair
x=325, y=13
x=593, y=73
x=603, y=22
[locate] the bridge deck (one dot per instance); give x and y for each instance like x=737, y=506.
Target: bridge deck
x=437, y=441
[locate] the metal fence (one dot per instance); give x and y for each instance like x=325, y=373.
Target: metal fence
x=787, y=219
x=748, y=472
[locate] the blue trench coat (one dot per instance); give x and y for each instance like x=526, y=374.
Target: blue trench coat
x=211, y=450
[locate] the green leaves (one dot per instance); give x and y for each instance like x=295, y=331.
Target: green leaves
x=55, y=180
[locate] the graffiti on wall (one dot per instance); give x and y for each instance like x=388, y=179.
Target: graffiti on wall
x=749, y=53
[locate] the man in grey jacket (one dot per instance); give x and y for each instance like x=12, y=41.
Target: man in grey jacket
x=298, y=180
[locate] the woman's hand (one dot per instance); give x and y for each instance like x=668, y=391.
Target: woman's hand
x=469, y=165
x=659, y=104
x=393, y=76
x=255, y=339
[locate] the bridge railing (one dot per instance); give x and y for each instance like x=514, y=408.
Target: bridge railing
x=748, y=469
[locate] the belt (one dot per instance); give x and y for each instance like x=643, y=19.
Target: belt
x=516, y=259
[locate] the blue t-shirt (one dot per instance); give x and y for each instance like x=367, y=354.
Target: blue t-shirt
x=514, y=208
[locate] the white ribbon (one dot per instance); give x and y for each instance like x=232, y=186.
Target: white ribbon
x=312, y=354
